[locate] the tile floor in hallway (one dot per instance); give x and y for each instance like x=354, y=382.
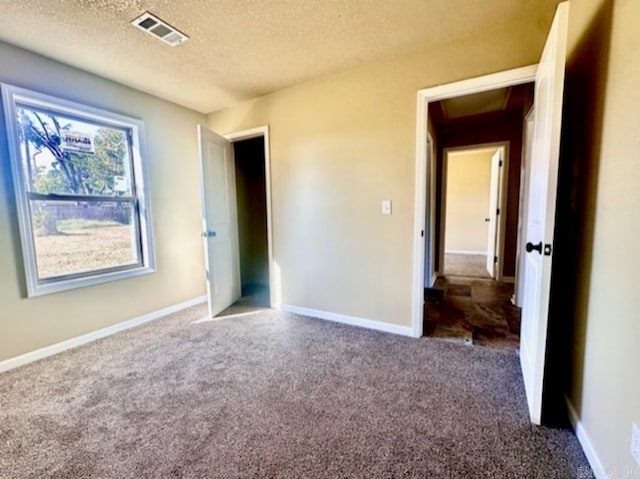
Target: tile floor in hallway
x=474, y=311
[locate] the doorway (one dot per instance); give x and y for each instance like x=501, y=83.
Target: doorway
x=474, y=206
x=253, y=196
x=477, y=158
x=251, y=200
x=539, y=214
x=430, y=174
x=478, y=138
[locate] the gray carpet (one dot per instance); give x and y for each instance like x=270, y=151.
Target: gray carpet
x=274, y=395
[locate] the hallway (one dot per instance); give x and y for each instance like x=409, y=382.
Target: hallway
x=472, y=311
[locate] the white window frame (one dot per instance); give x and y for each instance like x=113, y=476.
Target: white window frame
x=12, y=96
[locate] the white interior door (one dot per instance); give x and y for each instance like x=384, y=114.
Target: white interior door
x=540, y=211
x=492, y=216
x=219, y=220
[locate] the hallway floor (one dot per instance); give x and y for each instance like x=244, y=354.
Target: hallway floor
x=472, y=311
x=468, y=265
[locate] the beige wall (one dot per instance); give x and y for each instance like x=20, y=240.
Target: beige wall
x=30, y=323
x=602, y=119
x=339, y=146
x=467, y=204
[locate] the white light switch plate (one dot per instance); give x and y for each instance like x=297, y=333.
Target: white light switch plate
x=386, y=207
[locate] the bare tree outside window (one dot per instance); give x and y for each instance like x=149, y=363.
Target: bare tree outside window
x=80, y=183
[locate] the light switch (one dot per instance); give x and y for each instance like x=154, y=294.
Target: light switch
x=386, y=207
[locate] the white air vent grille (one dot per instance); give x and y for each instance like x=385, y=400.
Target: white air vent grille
x=160, y=29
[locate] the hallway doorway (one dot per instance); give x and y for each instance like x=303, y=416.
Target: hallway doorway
x=251, y=164
x=477, y=170
x=474, y=183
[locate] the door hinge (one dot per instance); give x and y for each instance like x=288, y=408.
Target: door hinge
x=498, y=212
x=500, y=164
x=495, y=259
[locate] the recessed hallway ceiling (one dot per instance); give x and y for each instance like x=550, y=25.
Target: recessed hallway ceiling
x=467, y=105
x=241, y=49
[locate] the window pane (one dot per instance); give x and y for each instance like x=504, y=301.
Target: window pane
x=71, y=156
x=77, y=237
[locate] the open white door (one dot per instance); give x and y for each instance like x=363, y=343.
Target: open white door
x=492, y=215
x=219, y=220
x=540, y=210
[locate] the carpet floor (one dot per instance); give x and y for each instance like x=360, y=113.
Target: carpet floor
x=274, y=395
x=468, y=265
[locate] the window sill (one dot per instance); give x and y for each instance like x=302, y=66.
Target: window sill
x=42, y=289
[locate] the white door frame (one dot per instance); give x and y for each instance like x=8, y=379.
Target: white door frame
x=263, y=131
x=502, y=198
x=493, y=81
x=430, y=273
x=527, y=144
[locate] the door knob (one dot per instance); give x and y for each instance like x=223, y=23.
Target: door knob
x=209, y=234
x=534, y=247
x=486, y=220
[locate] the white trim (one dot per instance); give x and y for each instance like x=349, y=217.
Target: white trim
x=455, y=251
x=430, y=208
x=583, y=438
x=516, y=76
x=247, y=134
x=11, y=97
x=493, y=81
x=47, y=351
x=503, y=192
x=351, y=320
x=420, y=206
x=263, y=131
x=525, y=159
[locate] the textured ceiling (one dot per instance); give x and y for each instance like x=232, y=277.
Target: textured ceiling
x=241, y=49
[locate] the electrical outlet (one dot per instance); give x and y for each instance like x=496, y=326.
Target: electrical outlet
x=635, y=442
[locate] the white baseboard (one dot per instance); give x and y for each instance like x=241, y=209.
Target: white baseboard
x=351, y=320
x=41, y=353
x=594, y=461
x=455, y=251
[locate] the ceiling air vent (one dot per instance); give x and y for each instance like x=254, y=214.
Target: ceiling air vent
x=159, y=29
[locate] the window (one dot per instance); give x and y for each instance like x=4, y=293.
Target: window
x=80, y=181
